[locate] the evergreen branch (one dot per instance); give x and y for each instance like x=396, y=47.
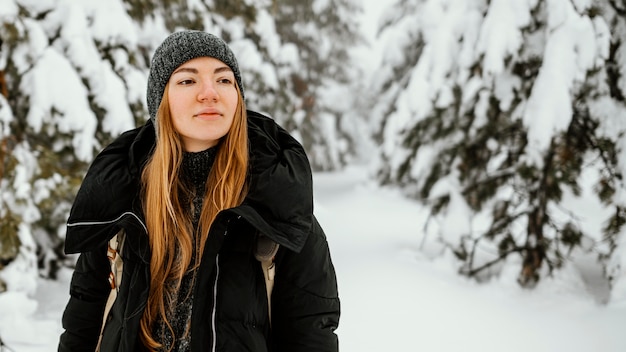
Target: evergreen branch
x=473, y=252
x=621, y=11
x=501, y=224
x=475, y=185
x=503, y=173
x=580, y=117
x=489, y=264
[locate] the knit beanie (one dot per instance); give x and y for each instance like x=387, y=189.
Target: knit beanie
x=179, y=48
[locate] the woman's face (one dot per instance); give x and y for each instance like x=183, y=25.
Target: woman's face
x=203, y=99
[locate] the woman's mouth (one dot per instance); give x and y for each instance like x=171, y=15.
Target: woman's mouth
x=208, y=113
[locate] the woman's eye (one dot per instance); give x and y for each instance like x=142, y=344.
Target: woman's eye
x=225, y=81
x=185, y=82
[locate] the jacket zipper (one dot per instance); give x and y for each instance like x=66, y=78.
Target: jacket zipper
x=217, y=276
x=213, y=313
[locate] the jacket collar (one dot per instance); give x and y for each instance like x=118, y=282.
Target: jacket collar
x=279, y=203
x=108, y=199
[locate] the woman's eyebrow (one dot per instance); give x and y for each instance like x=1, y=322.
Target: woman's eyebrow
x=186, y=69
x=222, y=69
x=195, y=71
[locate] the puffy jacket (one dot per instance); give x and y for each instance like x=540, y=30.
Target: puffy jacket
x=230, y=312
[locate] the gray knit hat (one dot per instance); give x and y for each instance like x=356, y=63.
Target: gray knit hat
x=179, y=48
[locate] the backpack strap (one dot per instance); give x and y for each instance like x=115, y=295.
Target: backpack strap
x=265, y=253
x=114, y=252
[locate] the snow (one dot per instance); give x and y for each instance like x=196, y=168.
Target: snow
x=76, y=115
x=395, y=297
x=399, y=287
x=110, y=23
x=571, y=50
x=618, y=291
x=368, y=55
x=5, y=117
x=501, y=33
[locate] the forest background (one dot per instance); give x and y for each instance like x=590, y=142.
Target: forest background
x=503, y=119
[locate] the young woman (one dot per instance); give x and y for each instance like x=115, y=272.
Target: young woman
x=194, y=192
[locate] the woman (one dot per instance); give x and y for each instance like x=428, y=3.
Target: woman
x=194, y=191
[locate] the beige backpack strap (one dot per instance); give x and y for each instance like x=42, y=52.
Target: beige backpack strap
x=114, y=252
x=265, y=252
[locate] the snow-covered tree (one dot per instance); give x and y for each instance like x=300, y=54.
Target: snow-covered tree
x=499, y=116
x=611, y=110
x=303, y=76
x=70, y=85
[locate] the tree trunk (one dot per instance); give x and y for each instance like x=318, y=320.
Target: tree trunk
x=535, y=248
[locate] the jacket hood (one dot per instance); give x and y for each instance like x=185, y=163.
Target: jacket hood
x=279, y=203
x=108, y=198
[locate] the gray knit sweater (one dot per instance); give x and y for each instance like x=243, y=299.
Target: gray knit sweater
x=195, y=170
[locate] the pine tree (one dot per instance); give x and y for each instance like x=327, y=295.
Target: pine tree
x=611, y=106
x=69, y=80
x=310, y=90
x=492, y=123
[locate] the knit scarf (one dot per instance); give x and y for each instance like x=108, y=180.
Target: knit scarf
x=195, y=170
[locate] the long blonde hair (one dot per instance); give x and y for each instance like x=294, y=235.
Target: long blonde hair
x=172, y=241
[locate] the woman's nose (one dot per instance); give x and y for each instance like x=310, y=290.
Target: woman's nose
x=208, y=92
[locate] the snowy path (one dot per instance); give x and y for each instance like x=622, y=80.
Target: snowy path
x=393, y=298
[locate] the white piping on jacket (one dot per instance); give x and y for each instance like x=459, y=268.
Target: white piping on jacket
x=213, y=313
x=88, y=223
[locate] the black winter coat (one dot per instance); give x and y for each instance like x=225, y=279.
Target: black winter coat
x=230, y=304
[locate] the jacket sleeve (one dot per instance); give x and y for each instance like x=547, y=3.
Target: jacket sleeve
x=305, y=301
x=89, y=290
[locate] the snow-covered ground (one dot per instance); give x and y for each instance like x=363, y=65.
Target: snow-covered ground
x=395, y=298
